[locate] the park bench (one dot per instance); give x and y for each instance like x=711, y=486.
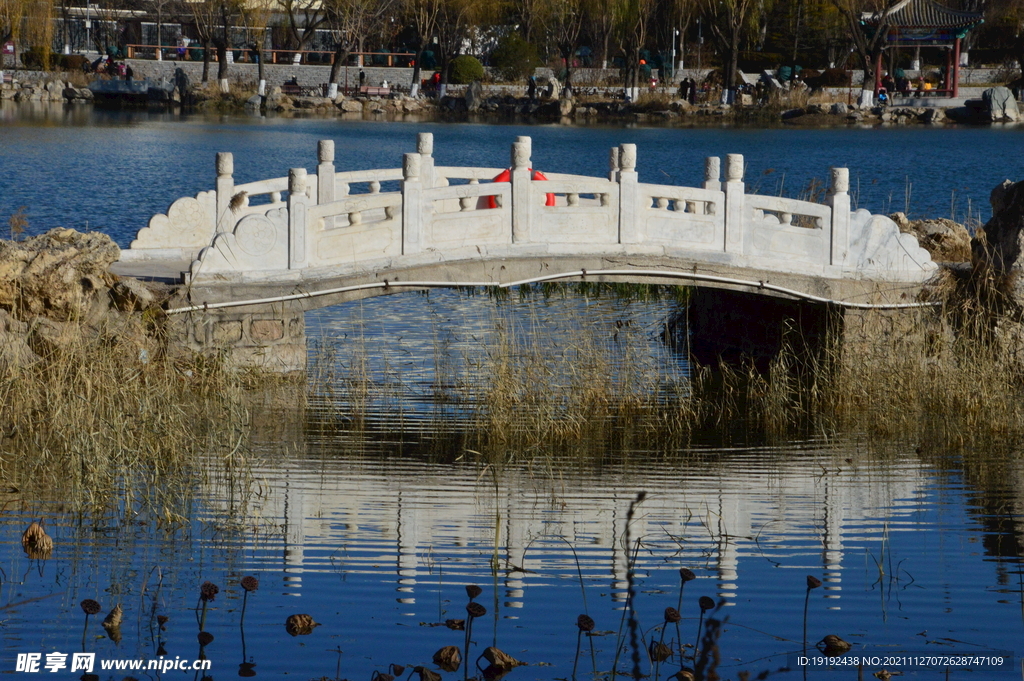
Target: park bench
x=293, y=89
x=375, y=91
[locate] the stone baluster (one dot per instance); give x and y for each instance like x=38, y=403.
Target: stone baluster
x=629, y=196
x=298, y=219
x=736, y=228
x=613, y=165
x=225, y=190
x=572, y=199
x=712, y=181
x=413, y=210
x=375, y=187
x=839, y=201
x=713, y=173
x=325, y=177
x=522, y=208
x=425, y=148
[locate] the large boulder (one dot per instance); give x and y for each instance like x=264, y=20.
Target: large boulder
x=58, y=275
x=14, y=349
x=351, y=106
x=474, y=96
x=999, y=245
x=1000, y=104
x=945, y=240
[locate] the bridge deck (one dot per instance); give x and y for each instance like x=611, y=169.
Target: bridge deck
x=294, y=235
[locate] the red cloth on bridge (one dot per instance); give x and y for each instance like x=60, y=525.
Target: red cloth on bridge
x=506, y=175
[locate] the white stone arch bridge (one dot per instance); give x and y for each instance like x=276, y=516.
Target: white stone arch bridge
x=251, y=257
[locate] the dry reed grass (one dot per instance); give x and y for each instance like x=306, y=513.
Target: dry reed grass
x=97, y=425
x=952, y=377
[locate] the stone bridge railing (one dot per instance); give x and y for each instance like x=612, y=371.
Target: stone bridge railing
x=374, y=219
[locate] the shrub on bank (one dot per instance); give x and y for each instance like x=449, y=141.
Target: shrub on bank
x=515, y=58
x=38, y=58
x=465, y=69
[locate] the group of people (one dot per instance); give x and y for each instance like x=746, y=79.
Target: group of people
x=116, y=69
x=901, y=84
x=688, y=90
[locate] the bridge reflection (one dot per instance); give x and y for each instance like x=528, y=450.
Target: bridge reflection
x=426, y=524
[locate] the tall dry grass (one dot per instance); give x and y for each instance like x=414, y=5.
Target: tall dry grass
x=949, y=377
x=98, y=425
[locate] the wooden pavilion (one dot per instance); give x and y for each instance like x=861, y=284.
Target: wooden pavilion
x=917, y=23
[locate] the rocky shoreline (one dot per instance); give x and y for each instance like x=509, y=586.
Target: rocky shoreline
x=475, y=101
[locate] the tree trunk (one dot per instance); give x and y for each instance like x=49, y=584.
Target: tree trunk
x=222, y=49
x=734, y=60
x=414, y=87
x=341, y=53
x=159, y=29
x=206, y=60
x=567, y=60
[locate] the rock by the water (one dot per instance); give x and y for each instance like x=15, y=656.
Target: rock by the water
x=57, y=274
x=15, y=352
x=1000, y=104
x=474, y=96
x=1000, y=245
x=945, y=240
x=351, y=106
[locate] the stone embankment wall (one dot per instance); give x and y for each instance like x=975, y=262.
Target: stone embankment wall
x=275, y=74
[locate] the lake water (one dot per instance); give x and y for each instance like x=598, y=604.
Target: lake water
x=372, y=518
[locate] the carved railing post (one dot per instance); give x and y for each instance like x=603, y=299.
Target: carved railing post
x=613, y=165
x=839, y=200
x=629, y=196
x=225, y=190
x=736, y=227
x=325, y=176
x=413, y=210
x=298, y=218
x=425, y=148
x=522, y=210
x=713, y=173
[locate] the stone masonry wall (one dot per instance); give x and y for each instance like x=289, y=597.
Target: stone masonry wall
x=276, y=74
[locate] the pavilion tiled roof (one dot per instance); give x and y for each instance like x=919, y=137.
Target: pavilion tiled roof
x=923, y=14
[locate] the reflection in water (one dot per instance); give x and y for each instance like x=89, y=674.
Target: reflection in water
x=371, y=521
x=372, y=532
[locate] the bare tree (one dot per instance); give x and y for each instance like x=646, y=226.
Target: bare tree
x=565, y=24
x=729, y=21
x=204, y=13
x=601, y=20
x=455, y=20
x=422, y=16
x=867, y=23
x=254, y=19
x=634, y=19
x=304, y=18
x=350, y=22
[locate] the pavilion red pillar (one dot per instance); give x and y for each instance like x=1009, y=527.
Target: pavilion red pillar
x=956, y=68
